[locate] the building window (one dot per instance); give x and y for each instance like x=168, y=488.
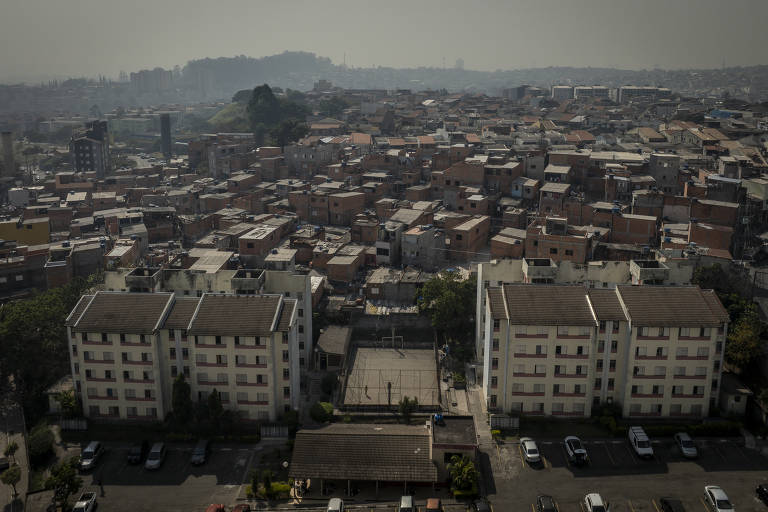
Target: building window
x=494, y=381
x=553, y=250
x=218, y=340
x=286, y=374
x=285, y=356
x=495, y=344
x=495, y=363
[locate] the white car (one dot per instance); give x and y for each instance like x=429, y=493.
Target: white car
x=686, y=445
x=593, y=502
x=717, y=499
x=530, y=450
x=576, y=452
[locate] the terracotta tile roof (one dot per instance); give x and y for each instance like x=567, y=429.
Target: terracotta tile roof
x=124, y=312
x=673, y=306
x=236, y=315
x=181, y=313
x=537, y=304
x=605, y=304
x=389, y=453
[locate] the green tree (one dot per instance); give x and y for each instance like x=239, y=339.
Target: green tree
x=321, y=412
x=40, y=444
x=744, y=340
x=69, y=404
x=181, y=401
x=450, y=302
x=215, y=409
x=64, y=481
x=406, y=407
x=263, y=111
x=332, y=107
x=10, y=450
x=12, y=476
x=463, y=473
x=289, y=130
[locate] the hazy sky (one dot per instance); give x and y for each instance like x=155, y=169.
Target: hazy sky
x=88, y=37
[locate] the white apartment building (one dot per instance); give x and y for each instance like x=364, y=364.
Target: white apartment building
x=127, y=348
x=593, y=274
x=560, y=350
x=194, y=283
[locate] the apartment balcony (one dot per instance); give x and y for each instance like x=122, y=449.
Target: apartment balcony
x=98, y=361
x=141, y=398
x=251, y=365
x=647, y=395
x=96, y=343
x=651, y=358
x=649, y=376
x=530, y=356
x=139, y=381
x=570, y=413
x=252, y=402
x=210, y=365
x=691, y=358
x=571, y=375
x=696, y=377
x=137, y=363
x=100, y=379
x=519, y=374
x=688, y=395
x=134, y=344
x=571, y=356
x=694, y=338
x=259, y=384
x=102, y=397
x=212, y=382
x=526, y=393
x=569, y=395
x=247, y=347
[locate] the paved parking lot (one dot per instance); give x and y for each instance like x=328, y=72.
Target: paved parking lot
x=176, y=486
x=630, y=484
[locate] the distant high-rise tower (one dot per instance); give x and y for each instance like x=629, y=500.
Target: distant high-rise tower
x=165, y=135
x=9, y=166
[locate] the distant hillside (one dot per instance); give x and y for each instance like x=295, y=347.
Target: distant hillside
x=223, y=76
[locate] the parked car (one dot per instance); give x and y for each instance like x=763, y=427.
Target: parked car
x=335, y=505
x=200, y=452
x=640, y=442
x=216, y=508
x=762, y=492
x=86, y=502
x=137, y=452
x=156, y=456
x=434, y=505
x=545, y=503
x=593, y=502
x=671, y=505
x=686, y=445
x=530, y=450
x=481, y=506
x=406, y=504
x=243, y=507
x=4, y=463
x=576, y=452
x=91, y=455
x=717, y=499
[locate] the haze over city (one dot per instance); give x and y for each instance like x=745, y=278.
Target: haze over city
x=43, y=39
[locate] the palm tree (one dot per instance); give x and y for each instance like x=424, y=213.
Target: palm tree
x=463, y=473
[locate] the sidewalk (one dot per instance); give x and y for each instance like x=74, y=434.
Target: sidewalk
x=12, y=424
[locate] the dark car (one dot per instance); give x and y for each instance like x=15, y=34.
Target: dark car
x=137, y=452
x=671, y=505
x=243, y=507
x=4, y=464
x=200, y=452
x=481, y=506
x=762, y=492
x=545, y=504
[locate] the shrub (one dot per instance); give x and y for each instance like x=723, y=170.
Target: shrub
x=321, y=412
x=279, y=490
x=466, y=493
x=249, y=492
x=328, y=384
x=347, y=418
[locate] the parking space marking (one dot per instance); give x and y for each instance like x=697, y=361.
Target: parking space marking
x=533, y=508
x=565, y=454
x=547, y=465
x=655, y=506
x=608, y=451
x=631, y=453
x=706, y=507
x=631, y=508
x=522, y=459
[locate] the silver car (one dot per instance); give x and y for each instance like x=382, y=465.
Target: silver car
x=156, y=456
x=530, y=450
x=686, y=445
